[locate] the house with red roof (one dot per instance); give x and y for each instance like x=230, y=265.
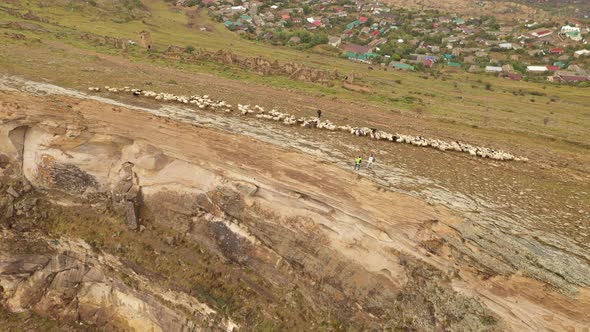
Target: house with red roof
x=569, y=78
x=514, y=77
x=540, y=33
x=553, y=68
x=363, y=19
x=557, y=50
x=355, y=48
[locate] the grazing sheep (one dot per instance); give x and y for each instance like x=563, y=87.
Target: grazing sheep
x=204, y=102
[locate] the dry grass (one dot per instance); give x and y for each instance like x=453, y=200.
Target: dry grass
x=452, y=97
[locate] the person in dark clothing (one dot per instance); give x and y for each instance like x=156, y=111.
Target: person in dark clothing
x=319, y=114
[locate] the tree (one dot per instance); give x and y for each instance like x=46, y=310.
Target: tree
x=306, y=9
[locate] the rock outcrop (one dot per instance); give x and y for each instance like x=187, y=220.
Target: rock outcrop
x=373, y=259
x=259, y=65
x=65, y=279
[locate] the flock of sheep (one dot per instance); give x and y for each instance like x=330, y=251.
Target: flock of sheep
x=204, y=102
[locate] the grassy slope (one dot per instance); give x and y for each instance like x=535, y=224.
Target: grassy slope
x=562, y=112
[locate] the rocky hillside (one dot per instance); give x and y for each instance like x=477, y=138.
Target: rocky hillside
x=123, y=217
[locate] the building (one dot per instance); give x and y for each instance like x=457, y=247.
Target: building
x=568, y=28
x=540, y=33
x=377, y=42
x=145, y=40
x=514, y=77
x=334, y=41
x=355, y=48
x=572, y=33
x=493, y=69
x=507, y=68
x=568, y=77
x=536, y=69
x=401, y=66
x=557, y=50
x=474, y=69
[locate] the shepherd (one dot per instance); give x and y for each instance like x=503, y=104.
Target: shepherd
x=357, y=163
x=370, y=161
x=319, y=114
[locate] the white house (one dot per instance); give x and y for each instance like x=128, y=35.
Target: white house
x=536, y=69
x=569, y=28
x=493, y=69
x=580, y=53
x=334, y=41
x=238, y=9
x=505, y=46
x=573, y=33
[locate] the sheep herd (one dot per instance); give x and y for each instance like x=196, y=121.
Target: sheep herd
x=204, y=102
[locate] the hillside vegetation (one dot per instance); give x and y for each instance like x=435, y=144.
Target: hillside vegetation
x=459, y=99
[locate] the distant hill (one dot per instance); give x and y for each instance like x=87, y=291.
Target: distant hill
x=576, y=8
x=504, y=9
x=116, y=10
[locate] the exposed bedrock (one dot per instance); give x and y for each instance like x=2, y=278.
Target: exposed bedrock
x=375, y=257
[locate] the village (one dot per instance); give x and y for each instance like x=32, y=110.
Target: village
x=370, y=32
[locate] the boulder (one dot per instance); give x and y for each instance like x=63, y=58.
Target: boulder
x=12, y=192
x=131, y=215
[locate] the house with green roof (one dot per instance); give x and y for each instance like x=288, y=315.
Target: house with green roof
x=353, y=24
x=454, y=64
x=401, y=65
x=574, y=35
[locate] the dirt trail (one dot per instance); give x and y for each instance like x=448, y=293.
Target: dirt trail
x=490, y=251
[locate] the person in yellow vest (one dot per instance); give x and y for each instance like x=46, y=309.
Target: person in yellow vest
x=357, y=163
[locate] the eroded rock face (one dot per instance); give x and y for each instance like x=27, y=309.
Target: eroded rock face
x=67, y=280
x=259, y=65
x=375, y=259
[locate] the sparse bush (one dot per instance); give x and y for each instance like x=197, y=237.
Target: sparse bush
x=584, y=85
x=171, y=82
x=488, y=86
x=537, y=93
x=190, y=49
